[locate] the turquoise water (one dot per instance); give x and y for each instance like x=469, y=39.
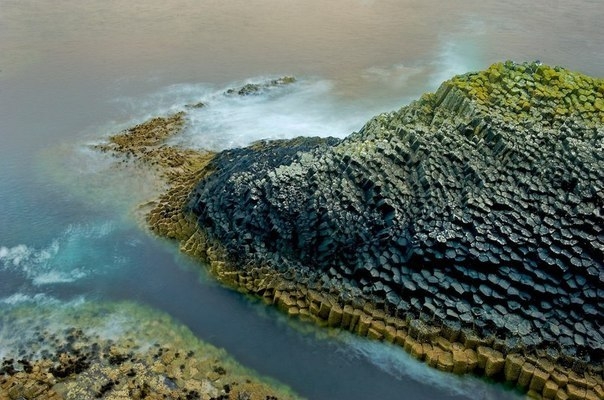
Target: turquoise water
x=72, y=73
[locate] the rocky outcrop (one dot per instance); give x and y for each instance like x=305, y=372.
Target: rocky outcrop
x=466, y=227
x=117, y=351
x=258, y=88
x=475, y=212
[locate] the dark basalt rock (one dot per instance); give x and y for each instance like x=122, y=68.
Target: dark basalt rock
x=256, y=88
x=480, y=206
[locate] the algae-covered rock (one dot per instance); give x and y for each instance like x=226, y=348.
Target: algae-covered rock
x=478, y=207
x=120, y=350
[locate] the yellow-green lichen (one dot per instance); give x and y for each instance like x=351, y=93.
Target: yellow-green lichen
x=521, y=91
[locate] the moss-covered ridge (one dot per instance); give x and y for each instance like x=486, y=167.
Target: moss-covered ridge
x=534, y=92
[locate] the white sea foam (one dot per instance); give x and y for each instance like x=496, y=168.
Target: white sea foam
x=398, y=363
x=64, y=260
x=26, y=259
x=308, y=107
x=22, y=298
x=52, y=277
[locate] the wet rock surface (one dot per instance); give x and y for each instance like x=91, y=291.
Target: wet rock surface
x=250, y=89
x=117, y=351
x=478, y=208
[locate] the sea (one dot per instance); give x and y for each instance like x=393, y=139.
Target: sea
x=74, y=72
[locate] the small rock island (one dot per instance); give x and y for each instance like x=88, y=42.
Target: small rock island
x=466, y=227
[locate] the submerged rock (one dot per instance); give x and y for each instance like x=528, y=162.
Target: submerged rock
x=257, y=88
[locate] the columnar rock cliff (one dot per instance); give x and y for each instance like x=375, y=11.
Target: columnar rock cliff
x=467, y=227
x=478, y=206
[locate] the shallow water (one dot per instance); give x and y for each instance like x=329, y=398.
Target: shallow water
x=72, y=73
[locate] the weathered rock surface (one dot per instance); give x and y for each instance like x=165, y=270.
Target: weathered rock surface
x=117, y=351
x=479, y=208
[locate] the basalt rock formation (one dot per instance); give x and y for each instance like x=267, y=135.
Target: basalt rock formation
x=467, y=227
x=478, y=207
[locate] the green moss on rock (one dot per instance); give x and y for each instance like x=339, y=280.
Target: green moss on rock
x=524, y=91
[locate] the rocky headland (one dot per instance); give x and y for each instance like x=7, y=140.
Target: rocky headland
x=466, y=227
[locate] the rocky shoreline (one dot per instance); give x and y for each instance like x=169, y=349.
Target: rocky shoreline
x=465, y=227
x=117, y=351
